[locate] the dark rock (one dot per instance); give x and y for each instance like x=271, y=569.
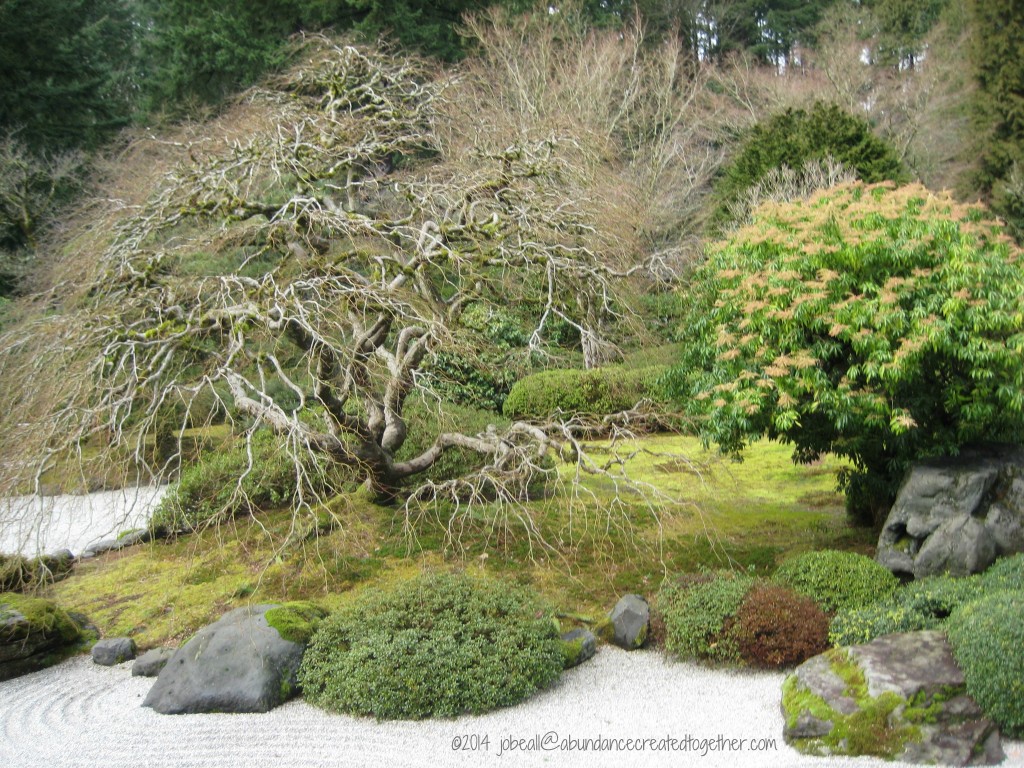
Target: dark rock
x=956, y=515
x=900, y=696
x=34, y=634
x=113, y=650
x=579, y=645
x=237, y=664
x=631, y=621
x=151, y=662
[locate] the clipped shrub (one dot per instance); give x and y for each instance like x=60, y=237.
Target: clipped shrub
x=776, y=627
x=987, y=637
x=597, y=391
x=1004, y=573
x=837, y=580
x=696, y=610
x=223, y=484
x=439, y=645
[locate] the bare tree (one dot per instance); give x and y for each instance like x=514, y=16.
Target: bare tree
x=305, y=274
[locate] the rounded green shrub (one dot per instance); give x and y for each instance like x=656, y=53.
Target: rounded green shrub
x=439, y=645
x=837, y=580
x=987, y=637
x=696, y=610
x=223, y=483
x=776, y=627
x=597, y=391
x=1005, y=573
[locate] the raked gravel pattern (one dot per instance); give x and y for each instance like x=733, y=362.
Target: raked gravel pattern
x=80, y=714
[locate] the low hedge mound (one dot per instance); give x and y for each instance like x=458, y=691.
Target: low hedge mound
x=776, y=627
x=837, y=580
x=598, y=391
x=435, y=646
x=987, y=637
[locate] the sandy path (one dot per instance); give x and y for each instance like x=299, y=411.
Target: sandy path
x=79, y=714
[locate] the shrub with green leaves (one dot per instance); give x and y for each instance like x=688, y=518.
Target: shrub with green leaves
x=792, y=138
x=837, y=580
x=598, y=391
x=776, y=627
x=987, y=637
x=882, y=325
x=696, y=611
x=1004, y=573
x=236, y=479
x=922, y=604
x=435, y=646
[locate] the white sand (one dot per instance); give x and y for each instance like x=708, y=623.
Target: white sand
x=33, y=525
x=79, y=714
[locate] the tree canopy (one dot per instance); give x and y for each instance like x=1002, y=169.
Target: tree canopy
x=875, y=323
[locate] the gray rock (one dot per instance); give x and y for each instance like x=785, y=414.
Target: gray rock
x=113, y=650
x=152, y=662
x=237, y=664
x=956, y=515
x=129, y=539
x=580, y=645
x=912, y=676
x=631, y=620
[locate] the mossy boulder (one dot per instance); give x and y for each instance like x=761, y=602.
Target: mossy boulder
x=578, y=646
x=34, y=634
x=899, y=697
x=237, y=664
x=296, y=621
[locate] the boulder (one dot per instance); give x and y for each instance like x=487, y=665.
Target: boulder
x=151, y=662
x=956, y=515
x=237, y=664
x=578, y=645
x=630, y=622
x=900, y=697
x=113, y=650
x=34, y=634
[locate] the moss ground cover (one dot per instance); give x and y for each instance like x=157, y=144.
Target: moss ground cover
x=751, y=515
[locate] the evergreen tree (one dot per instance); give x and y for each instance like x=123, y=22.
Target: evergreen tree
x=65, y=71
x=998, y=54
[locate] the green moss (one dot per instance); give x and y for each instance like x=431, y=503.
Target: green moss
x=42, y=616
x=296, y=621
x=571, y=650
x=869, y=730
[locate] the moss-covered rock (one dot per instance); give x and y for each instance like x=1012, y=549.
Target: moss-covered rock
x=899, y=697
x=34, y=634
x=296, y=621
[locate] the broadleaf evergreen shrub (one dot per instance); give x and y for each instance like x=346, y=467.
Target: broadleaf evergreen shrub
x=837, y=580
x=987, y=637
x=223, y=483
x=598, y=391
x=696, y=610
x=439, y=645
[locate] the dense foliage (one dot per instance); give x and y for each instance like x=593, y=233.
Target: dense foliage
x=988, y=643
x=837, y=580
x=66, y=71
x=777, y=627
x=879, y=324
x=436, y=646
x=795, y=137
x=565, y=392
x=696, y=611
x=997, y=53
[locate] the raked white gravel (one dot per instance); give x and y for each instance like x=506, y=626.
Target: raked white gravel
x=79, y=714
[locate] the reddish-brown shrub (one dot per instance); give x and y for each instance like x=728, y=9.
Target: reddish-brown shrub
x=776, y=627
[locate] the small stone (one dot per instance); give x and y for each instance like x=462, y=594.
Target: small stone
x=631, y=619
x=151, y=662
x=113, y=650
x=580, y=645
